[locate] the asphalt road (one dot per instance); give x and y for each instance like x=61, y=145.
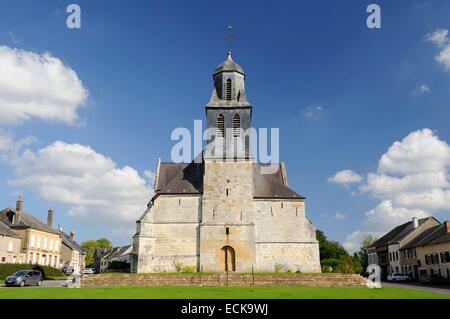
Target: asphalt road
x=418, y=286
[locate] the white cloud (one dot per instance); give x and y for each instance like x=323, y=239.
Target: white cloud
x=419, y=152
x=339, y=215
x=9, y=147
x=38, y=86
x=440, y=38
x=345, y=177
x=412, y=180
x=424, y=89
x=313, y=112
x=354, y=240
x=96, y=190
x=385, y=216
x=13, y=38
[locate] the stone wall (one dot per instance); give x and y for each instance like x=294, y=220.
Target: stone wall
x=168, y=234
x=284, y=237
x=222, y=279
x=227, y=203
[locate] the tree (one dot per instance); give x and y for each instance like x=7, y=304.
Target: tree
x=329, y=249
x=361, y=256
x=91, y=245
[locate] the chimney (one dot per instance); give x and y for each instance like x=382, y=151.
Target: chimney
x=50, y=217
x=19, y=203
x=447, y=226
x=18, y=213
x=415, y=222
x=72, y=235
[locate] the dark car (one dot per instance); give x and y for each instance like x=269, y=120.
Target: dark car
x=434, y=280
x=24, y=278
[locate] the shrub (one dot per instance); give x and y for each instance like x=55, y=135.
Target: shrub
x=188, y=269
x=177, y=265
x=330, y=264
x=47, y=272
x=343, y=265
x=180, y=267
x=278, y=267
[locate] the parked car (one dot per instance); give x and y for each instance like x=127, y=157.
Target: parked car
x=395, y=276
x=68, y=270
x=24, y=277
x=89, y=271
x=434, y=280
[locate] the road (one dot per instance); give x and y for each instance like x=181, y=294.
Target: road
x=418, y=286
x=45, y=283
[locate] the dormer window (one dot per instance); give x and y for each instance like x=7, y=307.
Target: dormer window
x=220, y=126
x=236, y=125
x=228, y=90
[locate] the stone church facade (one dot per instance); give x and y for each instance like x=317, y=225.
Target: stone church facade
x=223, y=211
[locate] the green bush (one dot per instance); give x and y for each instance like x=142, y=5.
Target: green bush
x=343, y=265
x=180, y=267
x=47, y=272
x=330, y=264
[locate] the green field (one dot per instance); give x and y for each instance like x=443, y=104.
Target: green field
x=219, y=293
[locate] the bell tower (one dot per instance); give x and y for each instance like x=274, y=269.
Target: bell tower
x=228, y=112
x=227, y=228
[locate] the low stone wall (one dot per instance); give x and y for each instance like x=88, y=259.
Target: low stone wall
x=222, y=279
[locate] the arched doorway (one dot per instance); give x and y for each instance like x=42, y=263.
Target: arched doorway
x=228, y=259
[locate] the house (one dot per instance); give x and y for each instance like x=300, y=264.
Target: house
x=432, y=251
x=73, y=257
x=100, y=263
x=10, y=246
x=40, y=243
x=385, y=252
x=104, y=257
x=121, y=254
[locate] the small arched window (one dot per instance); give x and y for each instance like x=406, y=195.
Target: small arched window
x=236, y=125
x=220, y=126
x=228, y=90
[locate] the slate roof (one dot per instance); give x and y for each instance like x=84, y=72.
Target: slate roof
x=383, y=241
x=6, y=231
x=26, y=221
x=407, y=230
x=271, y=185
x=100, y=252
x=182, y=178
x=71, y=243
x=229, y=66
x=118, y=251
x=434, y=235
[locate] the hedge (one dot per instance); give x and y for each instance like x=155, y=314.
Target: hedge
x=47, y=272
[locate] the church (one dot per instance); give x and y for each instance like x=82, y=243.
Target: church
x=223, y=211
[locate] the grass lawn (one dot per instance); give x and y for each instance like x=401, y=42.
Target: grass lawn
x=219, y=293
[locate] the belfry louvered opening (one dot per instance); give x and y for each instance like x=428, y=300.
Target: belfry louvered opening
x=228, y=90
x=236, y=125
x=220, y=126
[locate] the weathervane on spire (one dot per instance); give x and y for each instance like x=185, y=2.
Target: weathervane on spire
x=229, y=36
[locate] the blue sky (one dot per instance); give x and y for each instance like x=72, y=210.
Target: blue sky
x=340, y=93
